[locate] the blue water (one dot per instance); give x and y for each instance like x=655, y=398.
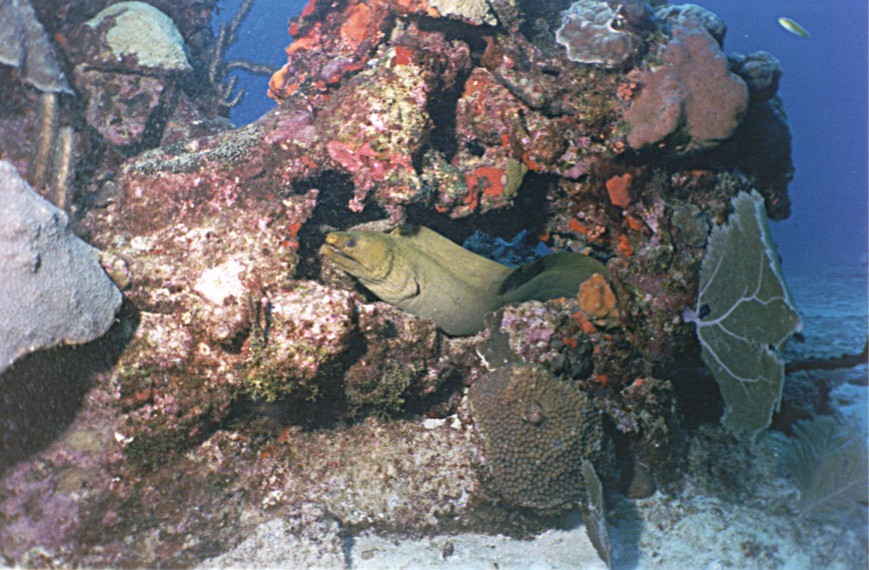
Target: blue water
x=824, y=90
x=825, y=94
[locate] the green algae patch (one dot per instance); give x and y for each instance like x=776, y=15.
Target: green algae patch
x=744, y=316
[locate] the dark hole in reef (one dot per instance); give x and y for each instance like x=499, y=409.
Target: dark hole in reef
x=41, y=393
x=526, y=213
x=474, y=148
x=442, y=110
x=331, y=213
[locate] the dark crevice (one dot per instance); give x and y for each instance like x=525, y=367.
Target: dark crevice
x=41, y=393
x=331, y=213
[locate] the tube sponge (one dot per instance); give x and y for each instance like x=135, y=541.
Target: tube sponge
x=744, y=316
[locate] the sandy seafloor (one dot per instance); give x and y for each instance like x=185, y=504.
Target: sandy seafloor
x=688, y=531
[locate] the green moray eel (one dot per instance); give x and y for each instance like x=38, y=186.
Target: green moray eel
x=427, y=275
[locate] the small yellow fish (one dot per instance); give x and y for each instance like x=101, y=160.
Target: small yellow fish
x=793, y=27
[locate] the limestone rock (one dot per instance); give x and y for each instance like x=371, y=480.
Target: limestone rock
x=53, y=289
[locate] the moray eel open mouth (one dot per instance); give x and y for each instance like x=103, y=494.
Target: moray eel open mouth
x=340, y=256
x=430, y=276
x=358, y=255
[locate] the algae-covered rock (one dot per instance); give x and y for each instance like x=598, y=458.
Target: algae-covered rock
x=744, y=316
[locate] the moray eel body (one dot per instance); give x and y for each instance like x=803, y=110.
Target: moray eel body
x=425, y=274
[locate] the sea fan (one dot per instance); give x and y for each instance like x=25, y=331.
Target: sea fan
x=828, y=463
x=594, y=514
x=744, y=316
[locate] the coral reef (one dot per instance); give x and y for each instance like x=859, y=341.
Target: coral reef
x=309, y=326
x=474, y=11
x=247, y=380
x=138, y=30
x=136, y=51
x=590, y=34
x=692, y=102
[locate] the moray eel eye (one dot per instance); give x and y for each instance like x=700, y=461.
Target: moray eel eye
x=351, y=242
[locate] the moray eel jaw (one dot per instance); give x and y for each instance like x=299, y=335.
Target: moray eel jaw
x=365, y=255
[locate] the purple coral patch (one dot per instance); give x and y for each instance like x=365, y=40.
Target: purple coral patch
x=692, y=94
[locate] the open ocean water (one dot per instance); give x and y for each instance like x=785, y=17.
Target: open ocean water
x=834, y=305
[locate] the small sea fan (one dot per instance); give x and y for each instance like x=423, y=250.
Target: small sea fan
x=828, y=463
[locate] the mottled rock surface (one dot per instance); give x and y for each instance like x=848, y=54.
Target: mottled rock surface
x=53, y=290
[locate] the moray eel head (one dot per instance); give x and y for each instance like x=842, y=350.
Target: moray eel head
x=365, y=255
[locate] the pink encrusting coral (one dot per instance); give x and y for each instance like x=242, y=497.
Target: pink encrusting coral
x=691, y=100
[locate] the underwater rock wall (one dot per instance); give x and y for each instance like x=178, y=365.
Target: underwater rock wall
x=254, y=378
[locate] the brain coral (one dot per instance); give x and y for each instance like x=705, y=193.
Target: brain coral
x=536, y=430
x=692, y=97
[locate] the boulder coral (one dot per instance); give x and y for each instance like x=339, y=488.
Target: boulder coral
x=536, y=430
x=691, y=102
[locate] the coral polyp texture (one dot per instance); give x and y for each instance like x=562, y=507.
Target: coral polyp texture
x=536, y=431
x=744, y=316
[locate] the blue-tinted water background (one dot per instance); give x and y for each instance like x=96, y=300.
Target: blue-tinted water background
x=825, y=96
